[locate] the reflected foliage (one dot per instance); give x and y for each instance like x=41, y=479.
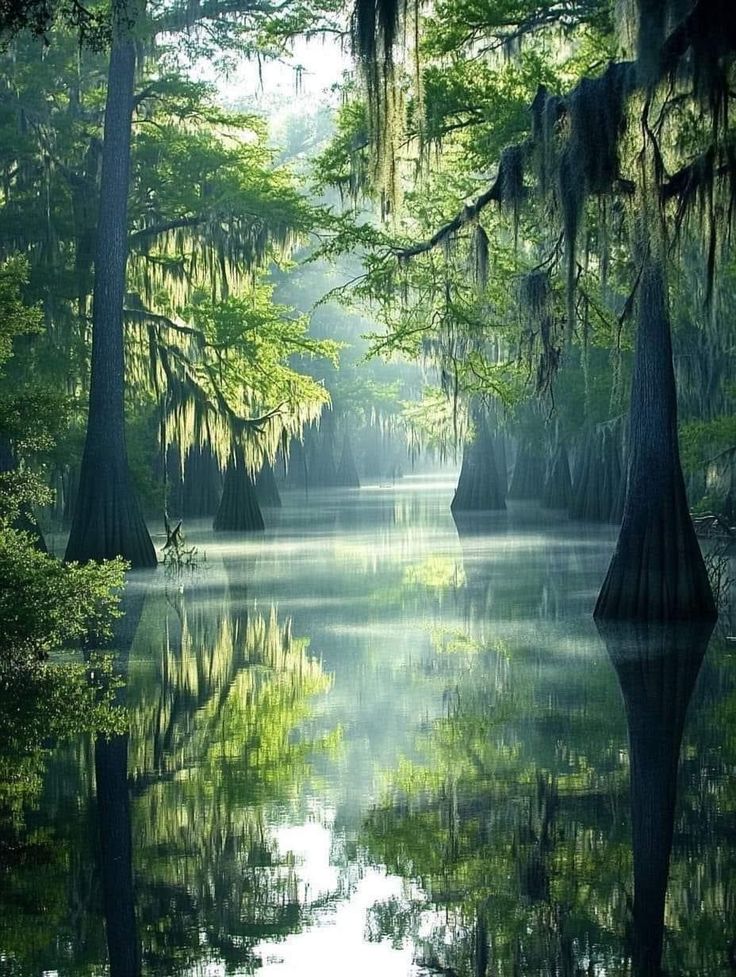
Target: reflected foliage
x=515, y=828
x=216, y=693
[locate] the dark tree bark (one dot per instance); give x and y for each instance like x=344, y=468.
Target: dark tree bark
x=598, y=477
x=557, y=492
x=479, y=487
x=527, y=480
x=239, y=511
x=267, y=491
x=319, y=444
x=202, y=484
x=657, y=572
x=107, y=518
x=347, y=471
x=297, y=472
x=657, y=666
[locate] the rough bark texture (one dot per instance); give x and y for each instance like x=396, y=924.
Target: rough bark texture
x=107, y=518
x=557, y=492
x=657, y=572
x=657, y=666
x=479, y=486
x=347, y=471
x=267, y=491
x=239, y=511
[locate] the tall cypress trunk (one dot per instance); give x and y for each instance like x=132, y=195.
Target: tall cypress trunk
x=557, y=492
x=527, y=480
x=201, y=484
x=107, y=518
x=267, y=491
x=480, y=486
x=657, y=572
x=347, y=471
x=239, y=510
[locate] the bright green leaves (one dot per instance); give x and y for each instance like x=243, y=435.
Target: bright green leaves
x=16, y=318
x=46, y=605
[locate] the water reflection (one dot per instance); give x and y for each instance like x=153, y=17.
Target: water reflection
x=657, y=667
x=366, y=744
x=516, y=826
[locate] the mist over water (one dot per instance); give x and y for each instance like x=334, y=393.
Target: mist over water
x=371, y=742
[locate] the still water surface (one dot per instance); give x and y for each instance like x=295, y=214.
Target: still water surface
x=367, y=744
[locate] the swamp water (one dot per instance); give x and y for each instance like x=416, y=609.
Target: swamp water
x=366, y=744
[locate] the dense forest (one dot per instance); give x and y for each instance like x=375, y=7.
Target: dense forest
x=406, y=330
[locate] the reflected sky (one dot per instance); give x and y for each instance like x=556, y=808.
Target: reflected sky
x=368, y=741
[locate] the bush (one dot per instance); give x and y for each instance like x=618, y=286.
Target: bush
x=46, y=605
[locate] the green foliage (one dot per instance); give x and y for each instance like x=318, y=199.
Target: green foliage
x=42, y=704
x=16, y=317
x=46, y=605
x=703, y=442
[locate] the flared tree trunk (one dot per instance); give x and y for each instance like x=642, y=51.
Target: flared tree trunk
x=479, y=487
x=657, y=666
x=239, y=511
x=657, y=572
x=557, y=492
x=297, y=472
x=267, y=491
x=347, y=471
x=107, y=518
x=201, y=486
x=527, y=480
x=320, y=447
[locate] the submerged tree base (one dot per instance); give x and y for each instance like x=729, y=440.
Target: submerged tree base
x=657, y=572
x=479, y=487
x=239, y=511
x=108, y=521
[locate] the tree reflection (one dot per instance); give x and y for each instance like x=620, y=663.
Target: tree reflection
x=515, y=831
x=657, y=667
x=213, y=754
x=188, y=869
